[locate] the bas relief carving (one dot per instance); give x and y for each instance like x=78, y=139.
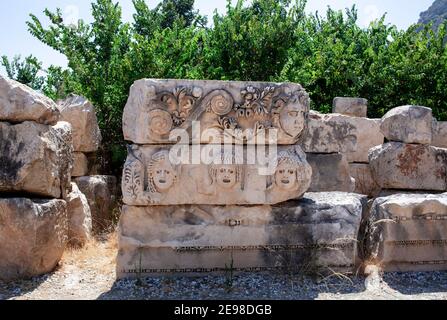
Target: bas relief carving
x=150, y=178
x=236, y=110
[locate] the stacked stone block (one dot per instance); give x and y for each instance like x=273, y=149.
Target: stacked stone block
x=35, y=163
x=94, y=200
x=406, y=226
x=229, y=214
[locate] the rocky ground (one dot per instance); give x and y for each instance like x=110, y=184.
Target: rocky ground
x=89, y=274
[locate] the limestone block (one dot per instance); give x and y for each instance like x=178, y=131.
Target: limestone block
x=409, y=124
x=335, y=133
x=239, y=111
x=35, y=158
x=407, y=232
x=364, y=181
x=354, y=107
x=80, y=165
x=330, y=172
x=317, y=232
x=170, y=175
x=19, y=103
x=440, y=134
x=396, y=165
x=80, y=217
x=81, y=114
x=33, y=235
x=101, y=194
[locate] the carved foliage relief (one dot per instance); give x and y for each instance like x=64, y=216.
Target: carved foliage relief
x=236, y=109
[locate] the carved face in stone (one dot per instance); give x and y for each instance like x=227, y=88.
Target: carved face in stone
x=286, y=176
x=292, y=119
x=226, y=176
x=162, y=175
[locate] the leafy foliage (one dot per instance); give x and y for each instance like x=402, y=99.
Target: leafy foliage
x=263, y=40
x=24, y=71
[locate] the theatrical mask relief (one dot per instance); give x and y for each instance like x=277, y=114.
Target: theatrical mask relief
x=193, y=111
x=152, y=176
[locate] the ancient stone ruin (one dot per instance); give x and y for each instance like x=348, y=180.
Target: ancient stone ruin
x=197, y=217
x=221, y=177
x=41, y=210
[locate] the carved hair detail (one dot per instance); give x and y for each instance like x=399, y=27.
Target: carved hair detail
x=161, y=157
x=226, y=158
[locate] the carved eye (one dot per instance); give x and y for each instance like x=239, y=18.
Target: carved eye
x=222, y=170
x=168, y=172
x=231, y=171
x=281, y=171
x=293, y=114
x=291, y=171
x=158, y=171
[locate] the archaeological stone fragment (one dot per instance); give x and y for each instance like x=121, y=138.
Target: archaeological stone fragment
x=156, y=175
x=440, y=134
x=81, y=114
x=354, y=107
x=241, y=112
x=35, y=158
x=33, y=235
x=407, y=232
x=330, y=172
x=79, y=217
x=396, y=165
x=317, y=233
x=101, y=194
x=80, y=165
x=409, y=124
x=19, y=103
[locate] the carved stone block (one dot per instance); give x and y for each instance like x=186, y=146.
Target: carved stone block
x=330, y=172
x=238, y=111
x=396, y=165
x=315, y=233
x=214, y=174
x=408, y=232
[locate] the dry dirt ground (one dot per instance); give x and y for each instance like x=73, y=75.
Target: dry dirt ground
x=89, y=274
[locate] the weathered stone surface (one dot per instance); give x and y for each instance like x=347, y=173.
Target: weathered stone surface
x=354, y=107
x=407, y=232
x=330, y=172
x=398, y=165
x=80, y=165
x=19, y=103
x=35, y=158
x=81, y=114
x=329, y=133
x=440, y=134
x=368, y=136
x=364, y=181
x=335, y=133
x=33, y=234
x=409, y=124
x=236, y=110
x=152, y=176
x=80, y=217
x=101, y=193
x=313, y=234
x=64, y=155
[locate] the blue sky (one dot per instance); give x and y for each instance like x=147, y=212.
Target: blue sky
x=15, y=39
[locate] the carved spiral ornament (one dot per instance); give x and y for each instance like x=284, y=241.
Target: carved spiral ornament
x=221, y=103
x=160, y=122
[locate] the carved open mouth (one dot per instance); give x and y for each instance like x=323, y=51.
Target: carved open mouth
x=162, y=181
x=285, y=181
x=226, y=181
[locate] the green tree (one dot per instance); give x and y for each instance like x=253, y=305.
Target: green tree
x=24, y=71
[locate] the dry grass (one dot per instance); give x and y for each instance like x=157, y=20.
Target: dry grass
x=97, y=255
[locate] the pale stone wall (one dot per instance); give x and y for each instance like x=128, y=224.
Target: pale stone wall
x=36, y=159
